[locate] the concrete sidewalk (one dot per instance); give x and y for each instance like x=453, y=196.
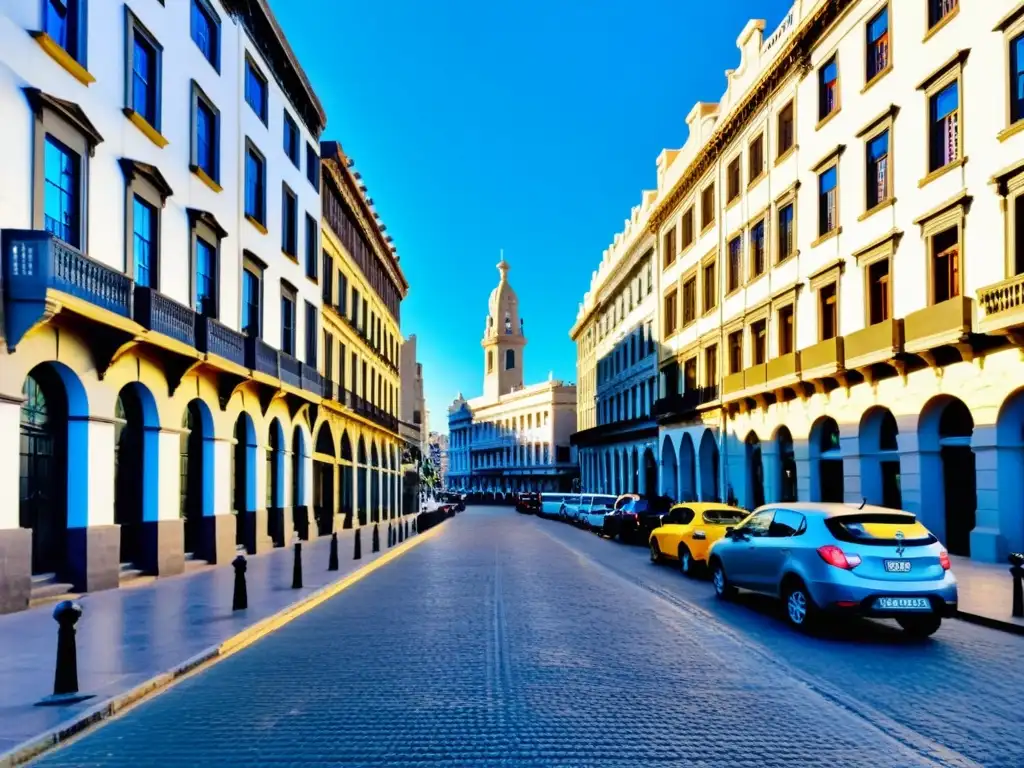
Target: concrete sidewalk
x=129, y=636
x=986, y=594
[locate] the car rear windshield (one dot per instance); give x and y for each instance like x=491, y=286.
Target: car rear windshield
x=724, y=516
x=880, y=530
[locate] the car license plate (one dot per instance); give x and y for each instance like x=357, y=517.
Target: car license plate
x=903, y=604
x=897, y=566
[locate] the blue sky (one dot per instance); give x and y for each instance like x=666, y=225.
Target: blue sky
x=527, y=125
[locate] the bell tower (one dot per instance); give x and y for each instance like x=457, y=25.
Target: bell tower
x=503, y=340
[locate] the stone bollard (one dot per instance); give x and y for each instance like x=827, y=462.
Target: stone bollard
x=357, y=553
x=332, y=560
x=297, y=568
x=65, y=675
x=240, y=600
x=1017, y=572
x=376, y=538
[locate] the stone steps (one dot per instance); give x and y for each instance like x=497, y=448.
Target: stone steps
x=47, y=589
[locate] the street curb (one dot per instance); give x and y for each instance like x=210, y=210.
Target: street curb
x=988, y=621
x=37, y=746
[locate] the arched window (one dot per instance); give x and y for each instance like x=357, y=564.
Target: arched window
x=508, y=323
x=490, y=361
x=510, y=359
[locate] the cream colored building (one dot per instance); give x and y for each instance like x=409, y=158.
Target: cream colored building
x=842, y=285
x=413, y=413
x=514, y=437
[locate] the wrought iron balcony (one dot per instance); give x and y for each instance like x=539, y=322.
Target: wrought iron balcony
x=156, y=312
x=1003, y=305
x=35, y=261
x=215, y=338
x=260, y=356
x=369, y=411
x=327, y=389
x=291, y=370
x=677, y=407
x=312, y=381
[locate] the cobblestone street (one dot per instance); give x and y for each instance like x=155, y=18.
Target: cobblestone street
x=508, y=640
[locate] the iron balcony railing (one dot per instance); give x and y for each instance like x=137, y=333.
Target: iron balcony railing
x=677, y=405
x=312, y=381
x=215, y=338
x=291, y=370
x=370, y=411
x=260, y=356
x=156, y=312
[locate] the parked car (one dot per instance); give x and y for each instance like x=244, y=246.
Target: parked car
x=840, y=558
x=635, y=519
x=688, y=531
x=528, y=503
x=593, y=509
x=454, y=499
x=551, y=503
x=569, y=508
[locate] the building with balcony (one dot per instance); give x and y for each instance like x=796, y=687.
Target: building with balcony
x=413, y=412
x=617, y=365
x=841, y=286
x=514, y=437
x=160, y=380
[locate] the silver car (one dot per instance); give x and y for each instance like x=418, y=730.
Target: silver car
x=842, y=558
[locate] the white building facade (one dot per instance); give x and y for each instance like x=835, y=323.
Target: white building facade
x=514, y=437
x=160, y=224
x=617, y=365
x=841, y=296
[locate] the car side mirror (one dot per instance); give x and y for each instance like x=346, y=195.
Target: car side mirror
x=699, y=535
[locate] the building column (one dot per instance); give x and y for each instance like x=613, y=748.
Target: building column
x=219, y=529
x=989, y=542
x=802, y=459
x=163, y=538
x=641, y=473
x=94, y=540
x=771, y=471
x=15, y=541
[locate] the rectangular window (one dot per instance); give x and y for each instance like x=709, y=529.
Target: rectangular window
x=940, y=9
x=289, y=221
x=206, y=135
x=690, y=374
x=759, y=341
x=828, y=192
x=313, y=166
x=206, y=31
x=144, y=244
x=292, y=141
x=62, y=22
x=252, y=301
x=342, y=293
x=312, y=247
x=828, y=88
x=206, y=278
x=355, y=307
x=62, y=192
x=255, y=186
x=787, y=135
x=786, y=330
x=1017, y=79
x=671, y=313
x=878, y=44
x=688, y=227
x=755, y=159
x=707, y=206
x=311, y=334
x=328, y=340
x=733, y=180
x=878, y=175
x=758, y=262
x=670, y=247
x=710, y=285
x=734, y=275
x=945, y=265
x=735, y=351
x=828, y=311
x=690, y=300
x=944, y=129
x=785, y=231
x=255, y=90
x=711, y=366
x=878, y=291
x=287, y=320
x=144, y=91
x=341, y=366
x=326, y=278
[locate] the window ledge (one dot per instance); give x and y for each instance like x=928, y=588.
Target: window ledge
x=734, y=291
x=204, y=177
x=878, y=76
x=940, y=24
x=709, y=310
x=667, y=265
x=143, y=125
x=729, y=205
x=889, y=203
x=827, y=118
x=827, y=236
x=785, y=155
x=786, y=258
x=754, y=278
x=62, y=57
x=754, y=181
x=708, y=228
x=259, y=227
x=1009, y=131
x=941, y=172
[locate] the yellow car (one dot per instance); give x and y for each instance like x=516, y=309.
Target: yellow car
x=688, y=531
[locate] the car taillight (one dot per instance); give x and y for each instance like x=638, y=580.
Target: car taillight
x=944, y=560
x=833, y=555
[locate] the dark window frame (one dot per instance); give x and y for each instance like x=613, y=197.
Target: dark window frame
x=134, y=28
x=206, y=10
x=289, y=226
x=199, y=98
x=261, y=219
x=252, y=68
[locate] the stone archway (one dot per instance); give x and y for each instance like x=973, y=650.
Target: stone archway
x=708, y=460
x=687, y=469
x=243, y=482
x=197, y=468
x=826, y=461
x=374, y=482
x=669, y=469
x=324, y=459
x=346, y=494
x=634, y=470
x=878, y=444
x=1010, y=469
x=949, y=498
x=787, y=465
x=136, y=472
x=362, y=481
x=650, y=472
x=755, y=471
x=275, y=465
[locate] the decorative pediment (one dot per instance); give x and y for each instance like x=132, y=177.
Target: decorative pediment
x=197, y=216
x=67, y=110
x=135, y=169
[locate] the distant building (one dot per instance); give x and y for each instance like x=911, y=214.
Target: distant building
x=513, y=437
x=412, y=413
x=438, y=451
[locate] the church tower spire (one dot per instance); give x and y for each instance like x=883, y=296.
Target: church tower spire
x=503, y=340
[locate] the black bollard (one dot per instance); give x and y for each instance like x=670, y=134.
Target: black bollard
x=391, y=536
x=407, y=529
x=297, y=568
x=414, y=525
x=401, y=534
x=357, y=554
x=1017, y=572
x=376, y=538
x=332, y=560
x=65, y=676
x=240, y=600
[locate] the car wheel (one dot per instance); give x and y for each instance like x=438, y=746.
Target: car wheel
x=656, y=556
x=686, y=564
x=920, y=626
x=799, y=605
x=723, y=589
